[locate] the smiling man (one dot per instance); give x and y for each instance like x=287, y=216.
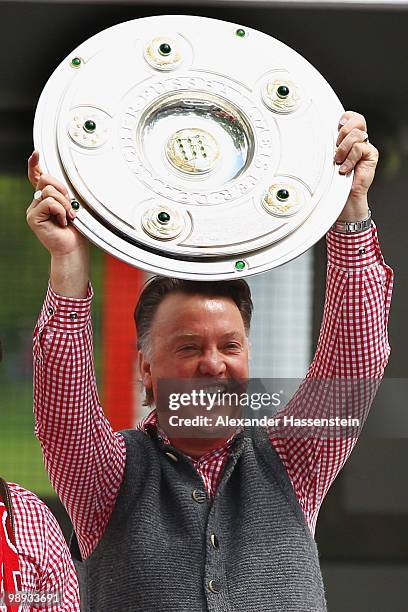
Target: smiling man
x=200, y=335
x=167, y=523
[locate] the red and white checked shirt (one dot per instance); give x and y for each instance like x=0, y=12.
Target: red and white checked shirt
x=45, y=561
x=85, y=458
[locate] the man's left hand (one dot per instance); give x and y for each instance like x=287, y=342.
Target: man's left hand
x=354, y=152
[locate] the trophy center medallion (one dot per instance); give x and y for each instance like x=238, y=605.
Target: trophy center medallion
x=193, y=151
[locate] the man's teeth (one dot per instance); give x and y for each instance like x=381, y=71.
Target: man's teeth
x=215, y=389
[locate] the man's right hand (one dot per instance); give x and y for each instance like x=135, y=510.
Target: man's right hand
x=50, y=219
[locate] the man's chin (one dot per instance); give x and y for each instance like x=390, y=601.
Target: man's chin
x=217, y=423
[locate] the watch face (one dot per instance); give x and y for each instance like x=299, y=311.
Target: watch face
x=195, y=148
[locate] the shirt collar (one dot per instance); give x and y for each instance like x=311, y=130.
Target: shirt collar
x=151, y=422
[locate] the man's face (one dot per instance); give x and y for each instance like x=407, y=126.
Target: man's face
x=195, y=336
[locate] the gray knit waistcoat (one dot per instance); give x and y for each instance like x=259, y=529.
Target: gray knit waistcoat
x=168, y=548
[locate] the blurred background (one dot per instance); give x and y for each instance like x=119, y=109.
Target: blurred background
x=361, y=49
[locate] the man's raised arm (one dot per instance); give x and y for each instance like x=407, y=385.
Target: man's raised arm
x=84, y=458
x=353, y=347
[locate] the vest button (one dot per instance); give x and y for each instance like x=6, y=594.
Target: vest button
x=214, y=541
x=171, y=456
x=214, y=586
x=199, y=496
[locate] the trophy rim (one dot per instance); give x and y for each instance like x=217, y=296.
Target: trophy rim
x=218, y=266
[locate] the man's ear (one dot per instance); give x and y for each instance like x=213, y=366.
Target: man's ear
x=144, y=370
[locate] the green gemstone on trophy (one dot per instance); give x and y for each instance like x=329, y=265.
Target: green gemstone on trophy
x=282, y=194
x=164, y=49
x=163, y=217
x=240, y=32
x=76, y=61
x=283, y=91
x=89, y=126
x=240, y=264
x=75, y=204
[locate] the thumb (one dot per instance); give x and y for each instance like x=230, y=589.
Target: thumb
x=34, y=168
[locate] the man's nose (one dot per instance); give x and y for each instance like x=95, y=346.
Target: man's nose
x=212, y=363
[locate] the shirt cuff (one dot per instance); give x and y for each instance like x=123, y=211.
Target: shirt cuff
x=353, y=250
x=65, y=313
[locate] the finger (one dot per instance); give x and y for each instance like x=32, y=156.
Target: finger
x=33, y=168
x=353, y=121
x=347, y=115
x=46, y=179
x=48, y=209
x=345, y=146
x=51, y=191
x=359, y=150
x=34, y=204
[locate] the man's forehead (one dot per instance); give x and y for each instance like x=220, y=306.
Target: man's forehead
x=189, y=315
x=179, y=305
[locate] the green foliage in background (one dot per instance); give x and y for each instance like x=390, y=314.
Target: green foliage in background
x=24, y=273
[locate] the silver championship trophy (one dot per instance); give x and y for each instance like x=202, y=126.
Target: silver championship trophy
x=193, y=147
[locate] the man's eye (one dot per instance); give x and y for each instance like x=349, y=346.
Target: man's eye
x=233, y=345
x=188, y=348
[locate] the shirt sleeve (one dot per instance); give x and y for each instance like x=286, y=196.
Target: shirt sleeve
x=83, y=456
x=45, y=562
x=352, y=350
x=59, y=574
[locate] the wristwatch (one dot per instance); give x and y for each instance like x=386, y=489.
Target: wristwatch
x=352, y=227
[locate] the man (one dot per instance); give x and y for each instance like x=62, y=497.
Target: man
x=34, y=558
x=175, y=524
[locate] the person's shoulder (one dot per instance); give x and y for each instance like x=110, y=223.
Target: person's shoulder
x=135, y=434
x=24, y=501
x=18, y=493
x=41, y=544
x=32, y=514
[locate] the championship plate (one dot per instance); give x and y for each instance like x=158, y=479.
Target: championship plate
x=193, y=147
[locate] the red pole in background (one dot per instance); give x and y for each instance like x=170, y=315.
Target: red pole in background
x=122, y=285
